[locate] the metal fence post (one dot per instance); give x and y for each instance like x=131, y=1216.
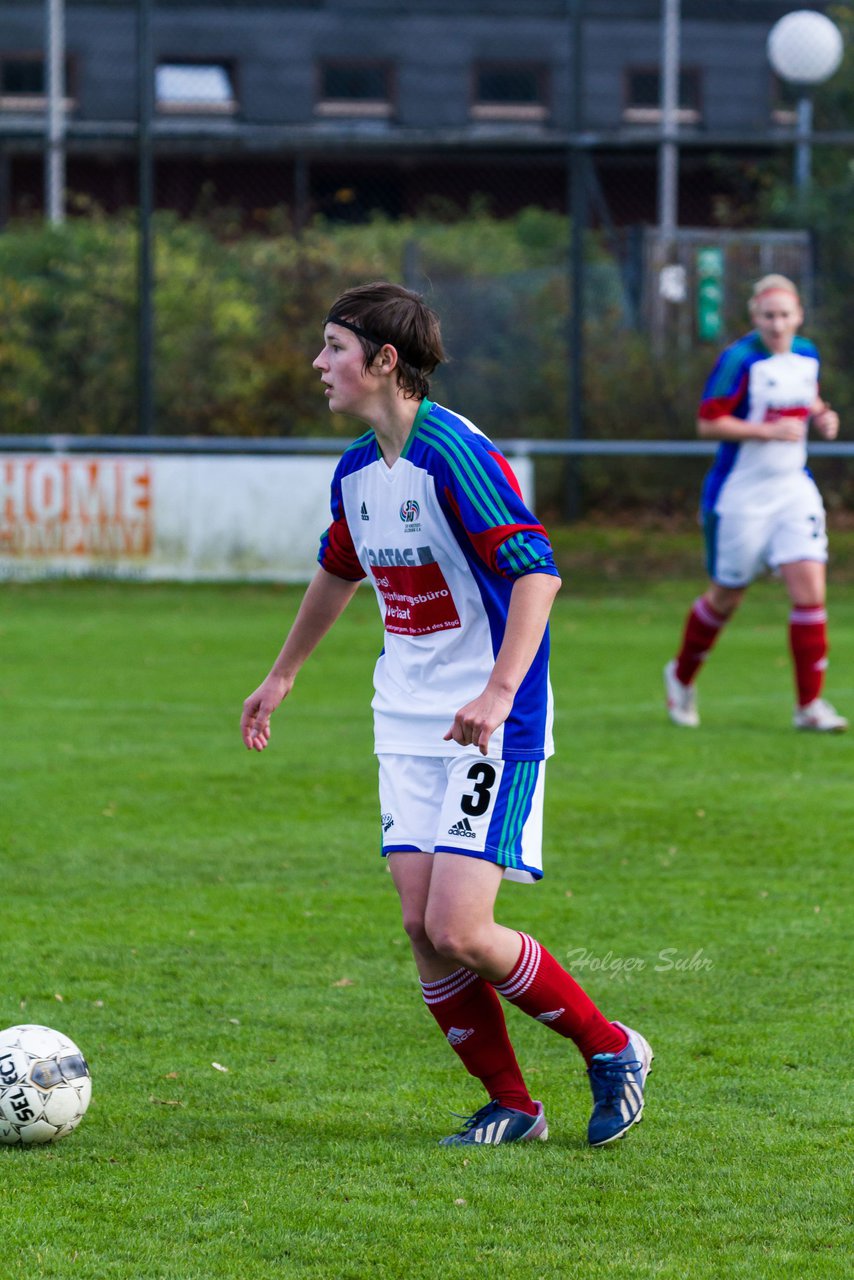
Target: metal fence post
x=577, y=212
x=145, y=271
x=54, y=167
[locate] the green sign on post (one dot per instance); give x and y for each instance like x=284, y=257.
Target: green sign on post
x=710, y=294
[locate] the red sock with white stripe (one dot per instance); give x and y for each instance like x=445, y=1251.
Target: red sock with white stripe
x=470, y=1014
x=808, y=642
x=702, y=628
x=540, y=987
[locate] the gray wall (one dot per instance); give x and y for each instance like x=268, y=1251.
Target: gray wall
x=433, y=45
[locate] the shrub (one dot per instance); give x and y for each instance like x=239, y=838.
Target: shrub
x=238, y=321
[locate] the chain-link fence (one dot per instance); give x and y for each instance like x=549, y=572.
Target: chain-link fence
x=293, y=149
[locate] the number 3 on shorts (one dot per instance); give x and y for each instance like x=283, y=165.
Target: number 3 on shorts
x=493, y=809
x=483, y=776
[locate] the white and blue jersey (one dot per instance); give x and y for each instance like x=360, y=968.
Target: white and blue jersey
x=750, y=382
x=761, y=507
x=442, y=535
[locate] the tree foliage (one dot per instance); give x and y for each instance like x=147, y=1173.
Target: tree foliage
x=238, y=321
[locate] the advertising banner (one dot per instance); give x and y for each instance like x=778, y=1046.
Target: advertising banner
x=188, y=518
x=161, y=517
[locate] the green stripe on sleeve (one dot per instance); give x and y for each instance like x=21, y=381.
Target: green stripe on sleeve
x=469, y=471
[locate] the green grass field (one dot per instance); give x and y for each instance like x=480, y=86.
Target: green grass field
x=171, y=902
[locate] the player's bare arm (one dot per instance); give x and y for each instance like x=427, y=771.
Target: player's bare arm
x=527, y=616
x=326, y=598
x=824, y=420
x=791, y=429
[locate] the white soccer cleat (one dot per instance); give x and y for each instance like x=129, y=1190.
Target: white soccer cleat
x=820, y=717
x=681, y=699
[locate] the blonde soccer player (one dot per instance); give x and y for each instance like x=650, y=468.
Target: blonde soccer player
x=761, y=508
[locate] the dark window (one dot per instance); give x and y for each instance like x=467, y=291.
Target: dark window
x=355, y=88
x=23, y=82
x=24, y=76
x=643, y=95
x=507, y=84
x=510, y=91
x=361, y=83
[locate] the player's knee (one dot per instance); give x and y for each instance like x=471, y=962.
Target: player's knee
x=724, y=600
x=415, y=929
x=456, y=942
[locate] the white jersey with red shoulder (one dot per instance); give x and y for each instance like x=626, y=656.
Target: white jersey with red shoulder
x=442, y=535
x=750, y=382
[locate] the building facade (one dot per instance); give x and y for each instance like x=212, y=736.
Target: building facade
x=344, y=106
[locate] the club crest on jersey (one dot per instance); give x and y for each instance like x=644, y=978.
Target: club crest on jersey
x=409, y=511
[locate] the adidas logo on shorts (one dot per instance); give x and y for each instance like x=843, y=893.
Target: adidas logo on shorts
x=462, y=828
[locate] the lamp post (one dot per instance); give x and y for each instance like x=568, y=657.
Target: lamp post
x=804, y=49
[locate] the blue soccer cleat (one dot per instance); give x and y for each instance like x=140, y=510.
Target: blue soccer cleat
x=494, y=1124
x=617, y=1081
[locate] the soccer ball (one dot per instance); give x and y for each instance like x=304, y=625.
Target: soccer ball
x=45, y=1085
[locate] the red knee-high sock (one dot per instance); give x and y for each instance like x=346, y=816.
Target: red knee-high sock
x=808, y=641
x=540, y=987
x=702, y=628
x=470, y=1014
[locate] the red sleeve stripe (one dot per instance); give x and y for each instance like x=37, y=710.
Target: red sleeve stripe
x=718, y=407
x=509, y=473
x=337, y=553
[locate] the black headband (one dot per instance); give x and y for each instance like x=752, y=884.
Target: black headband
x=334, y=318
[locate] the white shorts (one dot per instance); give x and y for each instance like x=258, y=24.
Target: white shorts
x=473, y=805
x=740, y=545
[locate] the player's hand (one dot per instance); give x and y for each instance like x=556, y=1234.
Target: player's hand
x=475, y=723
x=257, y=709
x=790, y=429
x=826, y=423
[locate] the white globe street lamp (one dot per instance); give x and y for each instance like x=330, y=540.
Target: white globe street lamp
x=804, y=48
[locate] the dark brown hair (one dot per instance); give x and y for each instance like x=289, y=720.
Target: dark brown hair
x=381, y=313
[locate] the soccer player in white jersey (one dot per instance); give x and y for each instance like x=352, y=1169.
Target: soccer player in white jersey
x=760, y=506
x=428, y=510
